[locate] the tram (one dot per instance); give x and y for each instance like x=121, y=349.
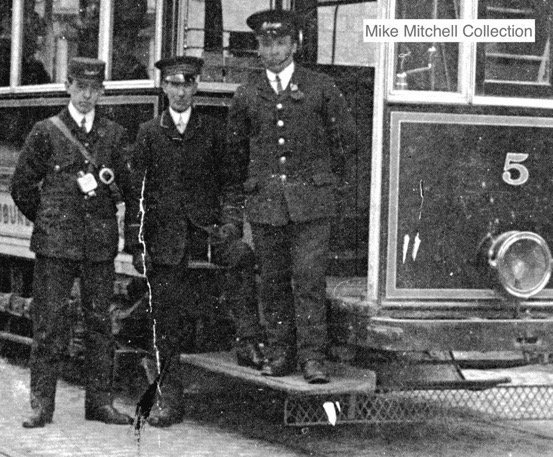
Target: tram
x=442, y=244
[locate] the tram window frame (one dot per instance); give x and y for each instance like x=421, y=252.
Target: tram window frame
x=105, y=52
x=310, y=50
x=512, y=88
x=390, y=61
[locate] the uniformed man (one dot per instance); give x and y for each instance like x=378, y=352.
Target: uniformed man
x=290, y=126
x=70, y=175
x=179, y=176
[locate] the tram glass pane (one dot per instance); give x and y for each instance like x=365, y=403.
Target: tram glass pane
x=217, y=31
x=56, y=31
x=34, y=32
x=429, y=66
x=516, y=68
x=339, y=40
x=5, y=44
x=133, y=39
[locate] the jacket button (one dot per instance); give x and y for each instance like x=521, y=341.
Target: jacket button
x=57, y=168
x=86, y=162
x=282, y=159
x=279, y=106
x=281, y=141
x=283, y=178
x=280, y=123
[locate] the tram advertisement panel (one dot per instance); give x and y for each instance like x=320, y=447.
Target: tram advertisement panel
x=457, y=180
x=12, y=221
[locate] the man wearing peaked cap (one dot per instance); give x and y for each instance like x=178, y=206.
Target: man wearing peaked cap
x=58, y=185
x=274, y=22
x=180, y=68
x=287, y=128
x=84, y=68
x=178, y=167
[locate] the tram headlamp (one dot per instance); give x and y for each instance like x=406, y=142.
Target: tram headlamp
x=522, y=261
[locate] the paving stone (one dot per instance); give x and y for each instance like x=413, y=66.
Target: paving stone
x=70, y=435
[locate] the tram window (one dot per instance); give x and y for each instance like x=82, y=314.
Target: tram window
x=54, y=32
x=338, y=39
x=33, y=70
x=133, y=35
x=516, y=68
x=57, y=30
x=427, y=66
x=5, y=45
x=216, y=30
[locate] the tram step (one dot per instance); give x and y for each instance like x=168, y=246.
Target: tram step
x=344, y=378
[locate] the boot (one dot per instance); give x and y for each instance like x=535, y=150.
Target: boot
x=249, y=354
x=107, y=414
x=164, y=416
x=282, y=362
x=38, y=418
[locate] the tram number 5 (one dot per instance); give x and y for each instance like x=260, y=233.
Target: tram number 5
x=513, y=162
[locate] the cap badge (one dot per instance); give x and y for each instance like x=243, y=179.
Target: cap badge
x=271, y=25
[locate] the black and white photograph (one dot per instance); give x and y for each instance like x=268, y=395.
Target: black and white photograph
x=276, y=228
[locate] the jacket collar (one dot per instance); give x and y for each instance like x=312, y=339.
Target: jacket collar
x=265, y=90
x=98, y=127
x=170, y=129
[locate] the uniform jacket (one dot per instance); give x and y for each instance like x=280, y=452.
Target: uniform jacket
x=291, y=144
x=68, y=224
x=183, y=177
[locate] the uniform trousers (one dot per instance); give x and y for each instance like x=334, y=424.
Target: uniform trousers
x=52, y=284
x=177, y=301
x=293, y=260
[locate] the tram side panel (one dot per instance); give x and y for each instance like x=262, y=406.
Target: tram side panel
x=455, y=183
x=460, y=180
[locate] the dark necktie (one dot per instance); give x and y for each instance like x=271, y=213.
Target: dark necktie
x=83, y=125
x=279, y=84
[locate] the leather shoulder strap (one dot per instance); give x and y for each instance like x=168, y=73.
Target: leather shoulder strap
x=67, y=133
x=115, y=192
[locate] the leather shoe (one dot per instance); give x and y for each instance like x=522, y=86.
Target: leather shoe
x=248, y=354
x=282, y=363
x=107, y=414
x=164, y=416
x=39, y=418
x=314, y=372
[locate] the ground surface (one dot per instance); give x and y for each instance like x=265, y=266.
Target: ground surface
x=225, y=420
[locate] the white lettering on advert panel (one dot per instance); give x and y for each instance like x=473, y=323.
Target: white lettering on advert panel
x=12, y=221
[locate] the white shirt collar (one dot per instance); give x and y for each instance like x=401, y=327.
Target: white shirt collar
x=78, y=116
x=285, y=76
x=185, y=115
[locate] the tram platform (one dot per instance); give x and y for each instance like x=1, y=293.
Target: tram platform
x=345, y=378
x=353, y=395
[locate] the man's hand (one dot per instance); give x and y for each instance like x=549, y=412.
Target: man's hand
x=141, y=261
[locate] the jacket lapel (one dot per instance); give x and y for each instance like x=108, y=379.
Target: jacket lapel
x=170, y=129
x=194, y=124
x=263, y=86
